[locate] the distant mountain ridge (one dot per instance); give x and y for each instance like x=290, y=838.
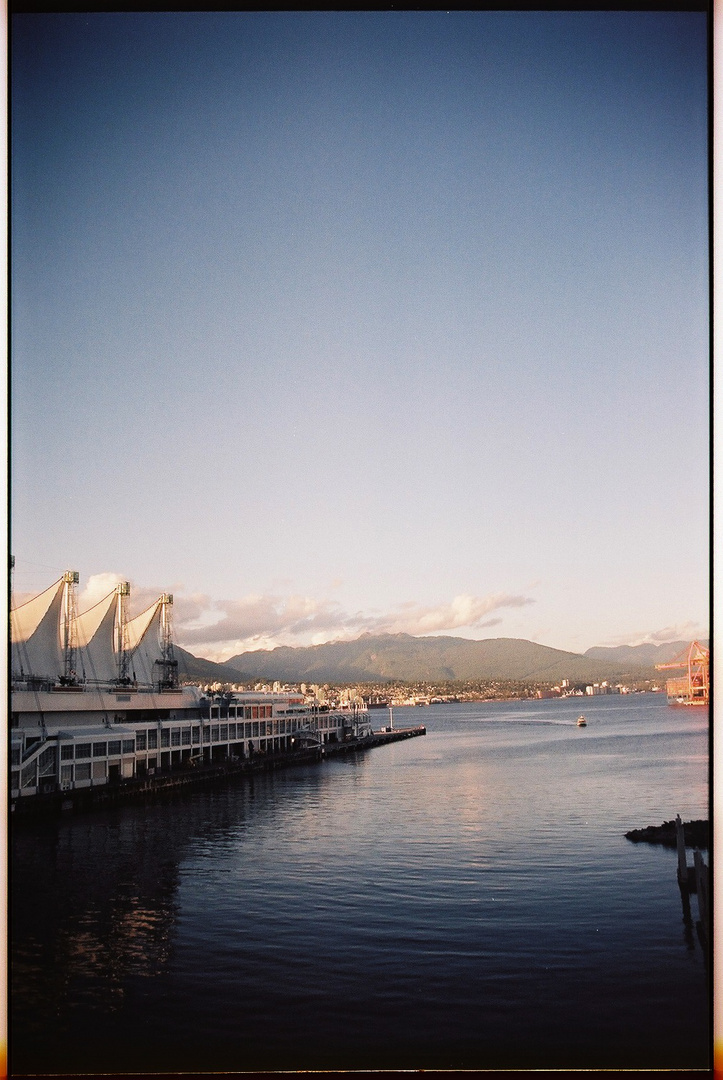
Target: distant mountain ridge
x=194, y=668
x=645, y=655
x=402, y=657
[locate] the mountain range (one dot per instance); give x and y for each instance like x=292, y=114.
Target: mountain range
x=641, y=654
x=402, y=657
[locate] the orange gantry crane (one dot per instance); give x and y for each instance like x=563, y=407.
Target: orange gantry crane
x=693, y=688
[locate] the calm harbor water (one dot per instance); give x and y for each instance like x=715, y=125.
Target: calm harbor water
x=463, y=900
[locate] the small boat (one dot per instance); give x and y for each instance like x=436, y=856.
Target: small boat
x=581, y=721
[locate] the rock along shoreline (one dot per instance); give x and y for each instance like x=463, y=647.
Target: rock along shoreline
x=696, y=834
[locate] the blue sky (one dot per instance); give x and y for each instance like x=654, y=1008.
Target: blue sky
x=364, y=321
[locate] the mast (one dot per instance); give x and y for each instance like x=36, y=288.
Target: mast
x=69, y=629
x=168, y=665
x=124, y=591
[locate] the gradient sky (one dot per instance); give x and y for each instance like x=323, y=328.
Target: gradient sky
x=364, y=321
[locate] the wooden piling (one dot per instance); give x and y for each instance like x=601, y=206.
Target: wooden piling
x=682, y=864
x=701, y=882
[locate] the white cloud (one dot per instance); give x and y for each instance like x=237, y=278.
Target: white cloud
x=96, y=587
x=462, y=611
x=687, y=631
x=99, y=585
x=267, y=621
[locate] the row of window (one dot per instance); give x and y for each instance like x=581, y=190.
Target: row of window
x=34, y=772
x=97, y=749
x=241, y=712
x=152, y=738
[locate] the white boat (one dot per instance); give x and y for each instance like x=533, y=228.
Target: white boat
x=581, y=721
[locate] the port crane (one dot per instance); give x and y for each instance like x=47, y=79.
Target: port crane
x=694, y=687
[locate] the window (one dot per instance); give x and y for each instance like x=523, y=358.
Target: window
x=165, y=737
x=214, y=733
x=141, y=740
x=66, y=773
x=114, y=747
x=175, y=737
x=196, y=736
x=152, y=740
x=232, y=731
x=186, y=736
x=82, y=770
x=99, y=749
x=82, y=750
x=66, y=753
x=224, y=732
x=46, y=762
x=129, y=746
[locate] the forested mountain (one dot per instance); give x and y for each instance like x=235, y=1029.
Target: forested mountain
x=392, y=657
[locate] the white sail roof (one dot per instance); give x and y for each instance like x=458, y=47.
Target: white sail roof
x=38, y=630
x=144, y=643
x=35, y=630
x=98, y=658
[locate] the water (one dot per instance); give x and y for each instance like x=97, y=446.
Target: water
x=463, y=900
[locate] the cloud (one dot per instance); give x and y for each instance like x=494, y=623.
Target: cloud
x=221, y=629
x=463, y=611
x=98, y=586
x=681, y=632
x=254, y=618
x=687, y=631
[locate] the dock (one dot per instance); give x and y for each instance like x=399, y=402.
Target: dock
x=177, y=781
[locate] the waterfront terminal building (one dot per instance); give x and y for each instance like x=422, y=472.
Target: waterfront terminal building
x=95, y=699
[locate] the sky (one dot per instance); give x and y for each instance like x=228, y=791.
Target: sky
x=335, y=323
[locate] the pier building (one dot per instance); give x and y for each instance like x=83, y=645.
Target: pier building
x=95, y=700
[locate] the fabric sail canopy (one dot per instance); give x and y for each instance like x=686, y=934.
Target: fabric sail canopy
x=38, y=639
x=97, y=653
x=35, y=630
x=144, y=643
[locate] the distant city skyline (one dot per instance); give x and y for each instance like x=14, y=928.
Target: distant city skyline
x=337, y=322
